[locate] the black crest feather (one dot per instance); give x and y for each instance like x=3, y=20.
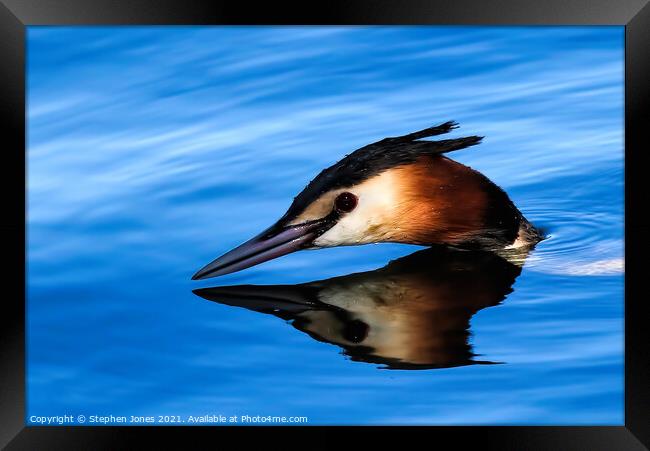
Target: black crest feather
x=375, y=158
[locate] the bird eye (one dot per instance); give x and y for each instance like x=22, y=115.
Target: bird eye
x=345, y=202
x=355, y=331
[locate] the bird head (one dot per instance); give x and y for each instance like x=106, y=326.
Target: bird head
x=399, y=189
x=413, y=313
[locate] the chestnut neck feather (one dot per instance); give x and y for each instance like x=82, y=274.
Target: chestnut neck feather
x=443, y=201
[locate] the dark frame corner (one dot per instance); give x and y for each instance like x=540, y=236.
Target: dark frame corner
x=16, y=15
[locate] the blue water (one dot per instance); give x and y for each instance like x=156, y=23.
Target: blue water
x=152, y=151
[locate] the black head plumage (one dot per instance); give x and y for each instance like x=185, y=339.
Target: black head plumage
x=374, y=158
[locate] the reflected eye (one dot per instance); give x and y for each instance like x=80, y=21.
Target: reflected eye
x=355, y=331
x=345, y=202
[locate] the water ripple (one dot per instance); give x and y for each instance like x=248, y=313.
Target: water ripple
x=577, y=244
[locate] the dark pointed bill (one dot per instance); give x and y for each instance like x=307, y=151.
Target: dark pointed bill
x=264, y=298
x=272, y=243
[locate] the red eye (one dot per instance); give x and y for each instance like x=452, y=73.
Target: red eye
x=345, y=202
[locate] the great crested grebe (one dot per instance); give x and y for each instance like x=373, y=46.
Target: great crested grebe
x=413, y=313
x=401, y=190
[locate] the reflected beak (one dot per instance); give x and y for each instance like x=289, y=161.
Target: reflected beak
x=272, y=243
x=264, y=298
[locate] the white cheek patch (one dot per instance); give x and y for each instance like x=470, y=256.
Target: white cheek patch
x=391, y=332
x=370, y=220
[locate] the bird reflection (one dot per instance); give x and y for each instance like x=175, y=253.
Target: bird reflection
x=413, y=313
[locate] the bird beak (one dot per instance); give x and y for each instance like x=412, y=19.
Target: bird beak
x=264, y=298
x=274, y=242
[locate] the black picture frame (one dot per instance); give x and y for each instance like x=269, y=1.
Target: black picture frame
x=15, y=15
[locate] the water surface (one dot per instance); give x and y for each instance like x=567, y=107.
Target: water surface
x=153, y=150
